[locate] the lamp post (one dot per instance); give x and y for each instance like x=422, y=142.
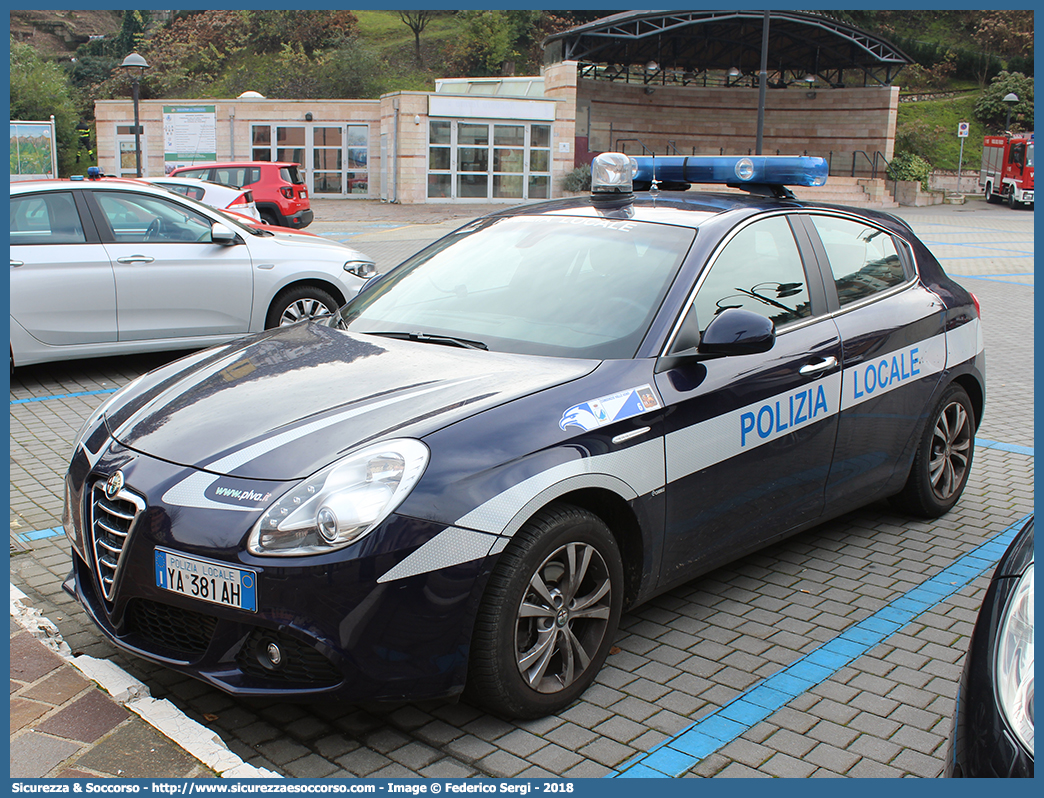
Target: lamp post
x=135, y=66
x=1009, y=99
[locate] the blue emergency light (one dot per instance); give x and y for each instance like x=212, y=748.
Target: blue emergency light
x=609, y=171
x=773, y=170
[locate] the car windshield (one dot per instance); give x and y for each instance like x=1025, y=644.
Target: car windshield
x=563, y=286
x=1029, y=154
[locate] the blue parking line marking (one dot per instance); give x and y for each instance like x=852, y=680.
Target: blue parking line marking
x=975, y=245
x=677, y=755
x=62, y=396
x=958, y=230
x=39, y=534
x=1004, y=447
x=991, y=279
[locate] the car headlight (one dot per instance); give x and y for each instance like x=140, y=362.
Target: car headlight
x=342, y=503
x=1015, y=661
x=361, y=268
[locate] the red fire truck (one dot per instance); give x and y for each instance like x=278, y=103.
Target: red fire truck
x=1007, y=169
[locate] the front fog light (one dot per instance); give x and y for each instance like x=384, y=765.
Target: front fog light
x=1015, y=661
x=341, y=503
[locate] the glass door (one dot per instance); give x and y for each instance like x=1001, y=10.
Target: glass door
x=488, y=160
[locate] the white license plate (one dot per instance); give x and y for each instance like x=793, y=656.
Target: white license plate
x=206, y=580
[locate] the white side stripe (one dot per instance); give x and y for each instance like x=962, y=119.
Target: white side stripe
x=879, y=375
x=720, y=438
x=964, y=343
x=640, y=467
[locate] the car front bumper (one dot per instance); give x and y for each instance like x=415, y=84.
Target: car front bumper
x=338, y=629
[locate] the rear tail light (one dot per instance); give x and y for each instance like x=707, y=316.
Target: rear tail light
x=287, y=191
x=244, y=200
x=975, y=299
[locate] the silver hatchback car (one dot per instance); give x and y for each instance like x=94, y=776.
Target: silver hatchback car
x=103, y=268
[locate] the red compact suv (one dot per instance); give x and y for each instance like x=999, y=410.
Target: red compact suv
x=279, y=190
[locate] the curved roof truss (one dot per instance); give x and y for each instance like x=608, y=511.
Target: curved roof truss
x=691, y=43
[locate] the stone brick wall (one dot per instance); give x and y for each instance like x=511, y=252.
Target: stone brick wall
x=707, y=120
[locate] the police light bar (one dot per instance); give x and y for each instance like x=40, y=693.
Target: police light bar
x=772, y=170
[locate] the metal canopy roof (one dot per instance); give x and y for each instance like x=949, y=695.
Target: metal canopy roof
x=688, y=43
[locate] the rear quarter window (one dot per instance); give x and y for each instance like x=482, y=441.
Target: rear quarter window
x=864, y=260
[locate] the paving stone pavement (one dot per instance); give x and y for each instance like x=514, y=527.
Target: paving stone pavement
x=678, y=659
x=64, y=726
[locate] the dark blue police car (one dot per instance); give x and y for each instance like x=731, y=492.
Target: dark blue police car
x=548, y=416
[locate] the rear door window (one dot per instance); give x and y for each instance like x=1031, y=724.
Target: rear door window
x=46, y=219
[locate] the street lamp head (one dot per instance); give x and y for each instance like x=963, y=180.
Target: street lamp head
x=1010, y=97
x=135, y=65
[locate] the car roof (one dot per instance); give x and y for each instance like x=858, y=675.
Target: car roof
x=189, y=181
x=116, y=183
x=686, y=208
x=224, y=164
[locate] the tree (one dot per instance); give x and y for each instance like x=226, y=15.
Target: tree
x=416, y=21
x=307, y=30
x=40, y=89
x=991, y=109
x=1008, y=34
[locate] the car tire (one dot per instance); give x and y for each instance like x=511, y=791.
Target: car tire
x=536, y=647
x=1012, y=202
x=990, y=196
x=270, y=217
x=298, y=303
x=943, y=459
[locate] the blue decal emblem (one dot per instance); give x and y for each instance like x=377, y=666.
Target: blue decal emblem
x=596, y=413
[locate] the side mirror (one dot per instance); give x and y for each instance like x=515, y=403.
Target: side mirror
x=223, y=235
x=733, y=332
x=737, y=332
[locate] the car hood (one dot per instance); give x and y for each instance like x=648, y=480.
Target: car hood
x=283, y=404
x=308, y=246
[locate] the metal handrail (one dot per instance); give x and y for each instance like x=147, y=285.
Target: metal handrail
x=874, y=167
x=645, y=150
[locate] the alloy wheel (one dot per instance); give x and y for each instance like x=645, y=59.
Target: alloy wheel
x=951, y=447
x=563, y=617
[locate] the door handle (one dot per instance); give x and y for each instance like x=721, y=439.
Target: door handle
x=818, y=368
x=135, y=259
x=18, y=263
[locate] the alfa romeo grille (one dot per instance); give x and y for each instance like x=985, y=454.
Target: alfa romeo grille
x=111, y=522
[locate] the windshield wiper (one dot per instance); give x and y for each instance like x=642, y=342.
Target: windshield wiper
x=424, y=338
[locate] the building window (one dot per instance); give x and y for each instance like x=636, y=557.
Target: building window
x=261, y=143
x=334, y=157
x=488, y=160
